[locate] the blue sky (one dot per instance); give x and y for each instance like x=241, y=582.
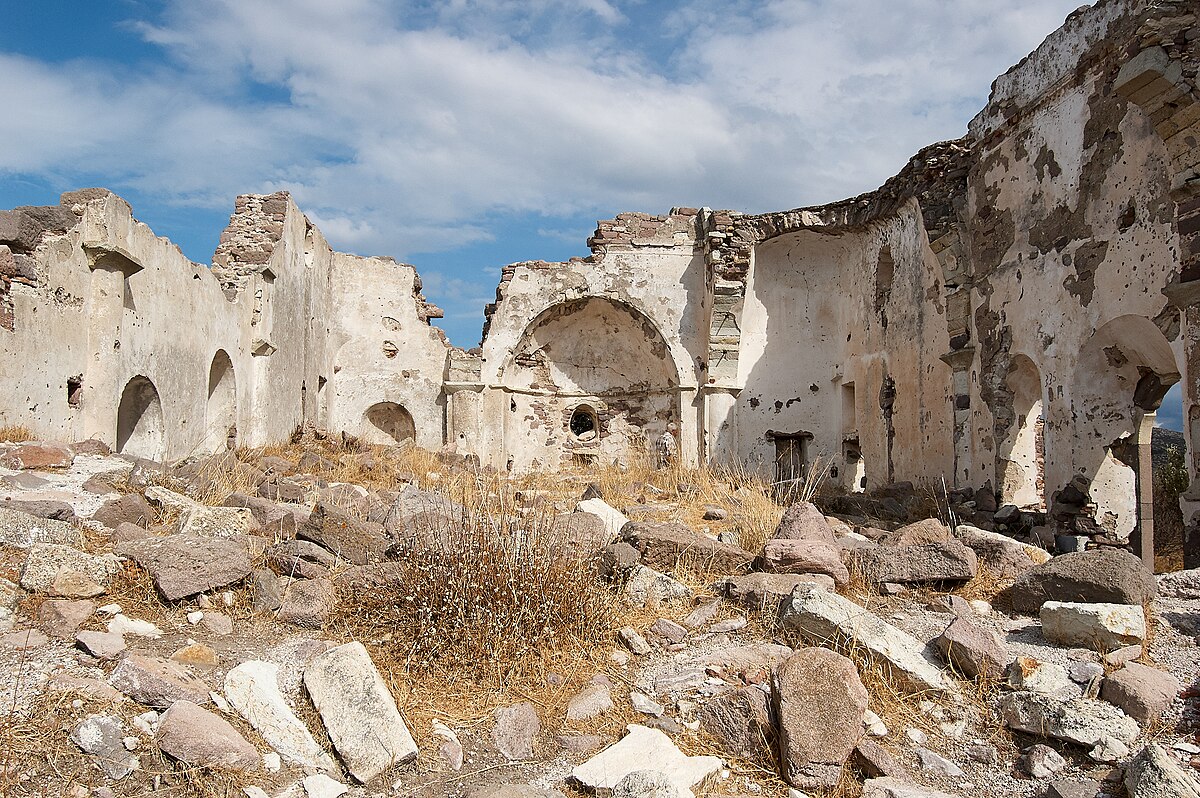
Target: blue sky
x=463, y=135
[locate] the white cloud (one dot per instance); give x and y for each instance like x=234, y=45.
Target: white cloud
x=402, y=127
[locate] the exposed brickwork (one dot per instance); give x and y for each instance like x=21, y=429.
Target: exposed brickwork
x=247, y=244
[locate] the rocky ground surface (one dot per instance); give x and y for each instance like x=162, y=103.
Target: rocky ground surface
x=155, y=639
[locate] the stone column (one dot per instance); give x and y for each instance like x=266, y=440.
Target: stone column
x=961, y=361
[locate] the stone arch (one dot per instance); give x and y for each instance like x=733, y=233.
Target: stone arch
x=1022, y=452
x=1123, y=371
x=140, y=429
x=387, y=423
x=220, y=411
x=593, y=351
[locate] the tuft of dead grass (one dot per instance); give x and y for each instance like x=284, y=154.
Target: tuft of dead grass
x=15, y=433
x=483, y=593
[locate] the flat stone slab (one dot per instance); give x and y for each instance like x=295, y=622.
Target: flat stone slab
x=46, y=561
x=1083, y=721
x=23, y=530
x=253, y=690
x=184, y=565
x=359, y=713
x=1100, y=627
x=645, y=749
x=829, y=618
x=196, y=736
x=155, y=682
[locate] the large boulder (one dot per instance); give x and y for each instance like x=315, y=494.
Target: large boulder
x=742, y=721
x=946, y=561
x=804, y=557
x=973, y=651
x=253, y=690
x=1100, y=627
x=803, y=521
x=358, y=711
x=668, y=547
x=1103, y=576
x=1083, y=721
x=196, y=736
x=819, y=703
x=931, y=530
x=1153, y=774
x=1002, y=556
x=644, y=749
x=1142, y=692
x=826, y=617
x=38, y=456
x=760, y=591
x=184, y=565
x=360, y=542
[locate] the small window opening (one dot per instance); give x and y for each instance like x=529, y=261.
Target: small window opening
x=75, y=390
x=885, y=273
x=584, y=424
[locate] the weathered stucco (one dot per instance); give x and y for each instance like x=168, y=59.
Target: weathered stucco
x=1005, y=314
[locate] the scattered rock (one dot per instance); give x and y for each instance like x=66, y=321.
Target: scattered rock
x=804, y=557
x=516, y=730
x=101, y=645
x=665, y=546
x=613, y=518
x=944, y=561
x=102, y=736
x=1142, y=692
x=590, y=702
x=702, y=614
x=1181, y=584
x=819, y=702
x=803, y=521
x=184, y=565
x=128, y=508
x=824, y=616
x=71, y=584
x=360, y=542
x=889, y=787
x=646, y=784
x=634, y=641
x=1101, y=576
x=1153, y=774
x=1101, y=627
x=61, y=618
x=253, y=690
x=196, y=736
x=1083, y=721
x=931, y=530
x=759, y=591
x=43, y=508
x=1041, y=761
x=669, y=631
x=936, y=763
x=1073, y=789
x=973, y=651
x=306, y=603
x=155, y=682
x=1046, y=678
x=200, y=520
x=644, y=749
x=1001, y=555
x=358, y=711
x=874, y=761
x=649, y=588
x=741, y=721
x=318, y=785
x=38, y=457
x=46, y=560
x=198, y=655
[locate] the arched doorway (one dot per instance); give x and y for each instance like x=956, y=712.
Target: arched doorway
x=221, y=409
x=387, y=423
x=1022, y=452
x=140, y=420
x=1123, y=372
x=591, y=379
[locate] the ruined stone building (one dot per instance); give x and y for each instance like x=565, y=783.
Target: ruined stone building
x=1007, y=311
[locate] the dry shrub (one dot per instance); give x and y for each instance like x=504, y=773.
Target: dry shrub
x=483, y=593
x=14, y=433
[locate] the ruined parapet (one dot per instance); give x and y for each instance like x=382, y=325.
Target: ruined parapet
x=635, y=230
x=246, y=245
x=426, y=310
x=465, y=366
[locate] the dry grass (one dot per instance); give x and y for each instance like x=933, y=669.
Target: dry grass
x=14, y=433
x=483, y=593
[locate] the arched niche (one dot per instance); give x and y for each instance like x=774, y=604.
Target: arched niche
x=221, y=408
x=387, y=423
x=1022, y=452
x=593, y=352
x=140, y=420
